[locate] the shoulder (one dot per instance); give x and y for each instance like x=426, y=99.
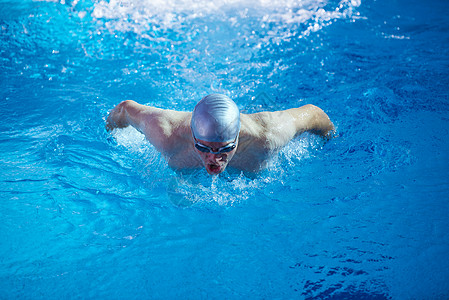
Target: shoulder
x=271, y=130
x=167, y=129
x=268, y=121
x=164, y=128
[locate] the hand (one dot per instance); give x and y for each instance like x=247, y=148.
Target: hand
x=117, y=117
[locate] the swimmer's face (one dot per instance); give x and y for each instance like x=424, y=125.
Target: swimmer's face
x=215, y=163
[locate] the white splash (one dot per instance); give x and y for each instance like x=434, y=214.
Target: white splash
x=143, y=15
x=130, y=138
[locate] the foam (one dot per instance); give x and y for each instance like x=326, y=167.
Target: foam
x=145, y=15
x=232, y=187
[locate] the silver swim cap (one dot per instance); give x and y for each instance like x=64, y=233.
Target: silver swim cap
x=216, y=118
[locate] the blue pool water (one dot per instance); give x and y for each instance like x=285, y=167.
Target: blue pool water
x=86, y=214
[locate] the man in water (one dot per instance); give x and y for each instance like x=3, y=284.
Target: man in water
x=216, y=134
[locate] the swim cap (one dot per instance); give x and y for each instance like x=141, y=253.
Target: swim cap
x=216, y=118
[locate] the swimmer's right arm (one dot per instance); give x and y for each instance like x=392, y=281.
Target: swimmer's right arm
x=128, y=113
x=153, y=122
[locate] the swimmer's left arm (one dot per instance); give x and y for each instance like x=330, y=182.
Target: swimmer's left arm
x=274, y=130
x=310, y=118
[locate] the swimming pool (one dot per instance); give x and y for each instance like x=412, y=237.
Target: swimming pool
x=86, y=214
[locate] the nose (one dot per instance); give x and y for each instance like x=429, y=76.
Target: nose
x=215, y=157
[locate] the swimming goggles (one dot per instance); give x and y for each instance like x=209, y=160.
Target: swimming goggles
x=206, y=149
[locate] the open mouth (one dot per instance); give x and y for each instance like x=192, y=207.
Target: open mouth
x=213, y=168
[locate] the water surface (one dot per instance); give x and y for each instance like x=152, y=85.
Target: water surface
x=86, y=214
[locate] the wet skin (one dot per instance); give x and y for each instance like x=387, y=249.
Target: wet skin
x=215, y=163
x=261, y=134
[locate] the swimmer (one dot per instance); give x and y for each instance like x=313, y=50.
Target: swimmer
x=216, y=135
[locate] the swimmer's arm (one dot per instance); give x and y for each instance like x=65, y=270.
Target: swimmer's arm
x=128, y=113
x=310, y=118
x=161, y=127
